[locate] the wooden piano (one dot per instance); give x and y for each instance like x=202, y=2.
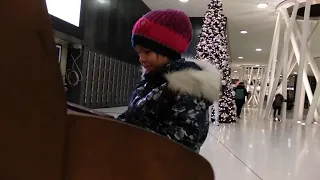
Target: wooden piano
x=39, y=140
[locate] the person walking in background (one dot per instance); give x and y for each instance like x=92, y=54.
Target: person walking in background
x=277, y=106
x=174, y=95
x=241, y=94
x=216, y=112
x=214, y=107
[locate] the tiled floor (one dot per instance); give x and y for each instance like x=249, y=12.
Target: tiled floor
x=255, y=149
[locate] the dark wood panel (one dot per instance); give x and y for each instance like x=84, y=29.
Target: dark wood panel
x=33, y=111
x=39, y=141
x=106, y=149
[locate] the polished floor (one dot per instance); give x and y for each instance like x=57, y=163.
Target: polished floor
x=255, y=149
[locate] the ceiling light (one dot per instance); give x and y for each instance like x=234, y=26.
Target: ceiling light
x=258, y=49
x=184, y=0
x=103, y=1
x=257, y=65
x=235, y=71
x=240, y=57
x=262, y=5
x=243, y=32
x=295, y=73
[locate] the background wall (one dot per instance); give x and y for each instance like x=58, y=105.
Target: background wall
x=103, y=65
x=108, y=27
x=196, y=26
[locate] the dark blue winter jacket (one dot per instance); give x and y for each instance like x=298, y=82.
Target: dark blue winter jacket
x=173, y=101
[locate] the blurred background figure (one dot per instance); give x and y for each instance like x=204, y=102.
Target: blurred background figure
x=241, y=94
x=214, y=111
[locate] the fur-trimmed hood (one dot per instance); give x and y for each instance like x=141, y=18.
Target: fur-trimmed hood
x=204, y=81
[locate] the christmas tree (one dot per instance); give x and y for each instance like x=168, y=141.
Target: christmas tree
x=214, y=49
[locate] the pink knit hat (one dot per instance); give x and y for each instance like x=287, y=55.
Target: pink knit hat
x=167, y=32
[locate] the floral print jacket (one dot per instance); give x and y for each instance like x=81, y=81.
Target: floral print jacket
x=173, y=101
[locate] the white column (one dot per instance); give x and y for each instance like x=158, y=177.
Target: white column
x=314, y=104
x=274, y=61
x=292, y=56
x=256, y=86
x=312, y=32
x=297, y=54
x=250, y=77
x=266, y=74
x=255, y=80
x=247, y=74
x=256, y=93
x=313, y=65
x=299, y=97
x=245, y=77
x=315, y=101
x=260, y=84
x=285, y=82
x=240, y=74
x=283, y=58
x=309, y=56
x=293, y=64
x=290, y=60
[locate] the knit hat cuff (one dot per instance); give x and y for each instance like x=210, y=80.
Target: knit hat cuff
x=155, y=46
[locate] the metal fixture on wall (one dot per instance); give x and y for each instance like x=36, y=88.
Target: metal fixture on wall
x=87, y=80
x=109, y=82
x=104, y=93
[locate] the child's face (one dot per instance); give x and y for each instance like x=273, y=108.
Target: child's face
x=149, y=59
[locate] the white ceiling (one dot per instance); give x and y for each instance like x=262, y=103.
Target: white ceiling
x=242, y=15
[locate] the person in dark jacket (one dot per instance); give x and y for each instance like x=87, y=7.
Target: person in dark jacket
x=174, y=94
x=241, y=94
x=277, y=106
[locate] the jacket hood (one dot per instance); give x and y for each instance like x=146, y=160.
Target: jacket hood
x=202, y=82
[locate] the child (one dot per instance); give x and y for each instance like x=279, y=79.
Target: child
x=174, y=95
x=277, y=104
